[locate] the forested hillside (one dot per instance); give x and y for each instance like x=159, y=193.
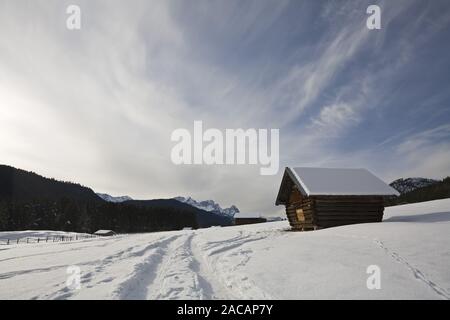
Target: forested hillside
x=437, y=190
x=31, y=202
x=17, y=184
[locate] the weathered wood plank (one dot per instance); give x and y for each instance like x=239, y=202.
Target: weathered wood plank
x=346, y=212
x=347, y=199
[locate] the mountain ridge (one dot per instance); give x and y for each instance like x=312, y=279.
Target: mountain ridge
x=114, y=199
x=413, y=190
x=206, y=205
x=404, y=185
x=210, y=206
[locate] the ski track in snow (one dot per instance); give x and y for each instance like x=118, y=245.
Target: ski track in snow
x=226, y=265
x=214, y=289
x=69, y=249
x=180, y=265
x=419, y=275
x=141, y=280
x=178, y=269
x=177, y=266
x=99, y=267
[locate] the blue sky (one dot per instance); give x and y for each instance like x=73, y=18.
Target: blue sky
x=97, y=105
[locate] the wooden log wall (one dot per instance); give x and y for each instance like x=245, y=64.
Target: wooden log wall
x=299, y=212
x=339, y=210
x=309, y=213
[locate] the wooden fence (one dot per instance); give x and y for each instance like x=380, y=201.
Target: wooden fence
x=56, y=238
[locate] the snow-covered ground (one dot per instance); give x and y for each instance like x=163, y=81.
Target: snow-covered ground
x=411, y=248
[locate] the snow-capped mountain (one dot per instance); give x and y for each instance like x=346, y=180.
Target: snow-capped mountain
x=209, y=205
x=410, y=184
x=109, y=198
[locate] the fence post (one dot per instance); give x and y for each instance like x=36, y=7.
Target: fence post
x=18, y=240
x=38, y=240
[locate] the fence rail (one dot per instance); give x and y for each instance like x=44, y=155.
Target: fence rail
x=47, y=239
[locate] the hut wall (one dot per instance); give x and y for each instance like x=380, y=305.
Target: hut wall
x=330, y=211
x=309, y=213
x=298, y=211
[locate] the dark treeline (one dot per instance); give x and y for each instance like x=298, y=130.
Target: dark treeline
x=70, y=215
x=439, y=190
x=17, y=184
x=31, y=202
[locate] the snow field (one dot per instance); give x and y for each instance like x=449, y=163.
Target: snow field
x=262, y=261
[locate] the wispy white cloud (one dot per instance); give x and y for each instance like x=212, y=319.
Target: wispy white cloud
x=98, y=105
x=424, y=138
x=335, y=117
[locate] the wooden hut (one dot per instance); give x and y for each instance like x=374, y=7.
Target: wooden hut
x=104, y=233
x=326, y=197
x=249, y=220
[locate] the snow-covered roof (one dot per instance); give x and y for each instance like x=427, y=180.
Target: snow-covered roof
x=336, y=181
x=100, y=232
